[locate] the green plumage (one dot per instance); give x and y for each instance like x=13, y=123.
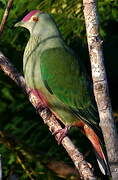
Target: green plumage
x=53, y=69
x=58, y=73
x=50, y=66
x=67, y=81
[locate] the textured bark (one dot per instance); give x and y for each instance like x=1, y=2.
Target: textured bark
x=49, y=118
x=100, y=84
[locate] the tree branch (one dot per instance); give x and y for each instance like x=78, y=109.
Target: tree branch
x=100, y=84
x=49, y=119
x=5, y=16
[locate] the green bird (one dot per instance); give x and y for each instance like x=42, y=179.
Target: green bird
x=57, y=76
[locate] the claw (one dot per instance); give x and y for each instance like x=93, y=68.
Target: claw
x=61, y=133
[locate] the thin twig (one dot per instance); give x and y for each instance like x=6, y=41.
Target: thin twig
x=100, y=84
x=5, y=16
x=49, y=119
x=27, y=171
x=3, y=22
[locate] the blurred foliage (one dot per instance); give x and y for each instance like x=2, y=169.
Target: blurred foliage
x=17, y=116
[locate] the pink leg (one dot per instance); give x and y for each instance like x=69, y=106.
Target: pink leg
x=61, y=133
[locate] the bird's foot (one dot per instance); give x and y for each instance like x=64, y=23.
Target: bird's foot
x=61, y=133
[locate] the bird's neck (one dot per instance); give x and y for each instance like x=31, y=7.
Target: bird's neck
x=46, y=42
x=45, y=31
x=31, y=45
x=47, y=35
x=42, y=44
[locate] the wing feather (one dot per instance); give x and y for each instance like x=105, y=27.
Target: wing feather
x=67, y=80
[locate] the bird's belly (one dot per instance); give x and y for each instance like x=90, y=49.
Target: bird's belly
x=34, y=81
x=62, y=111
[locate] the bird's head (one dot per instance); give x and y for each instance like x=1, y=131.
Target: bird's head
x=39, y=23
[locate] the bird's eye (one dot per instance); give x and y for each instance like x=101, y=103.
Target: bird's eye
x=35, y=19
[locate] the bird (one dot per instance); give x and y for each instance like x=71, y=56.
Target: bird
x=59, y=78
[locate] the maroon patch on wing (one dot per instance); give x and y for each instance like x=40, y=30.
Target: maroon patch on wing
x=29, y=15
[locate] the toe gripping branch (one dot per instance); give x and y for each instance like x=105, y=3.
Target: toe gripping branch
x=61, y=133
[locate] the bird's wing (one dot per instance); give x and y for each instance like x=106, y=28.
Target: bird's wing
x=66, y=78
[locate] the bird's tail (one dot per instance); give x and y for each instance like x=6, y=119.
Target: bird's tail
x=101, y=158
